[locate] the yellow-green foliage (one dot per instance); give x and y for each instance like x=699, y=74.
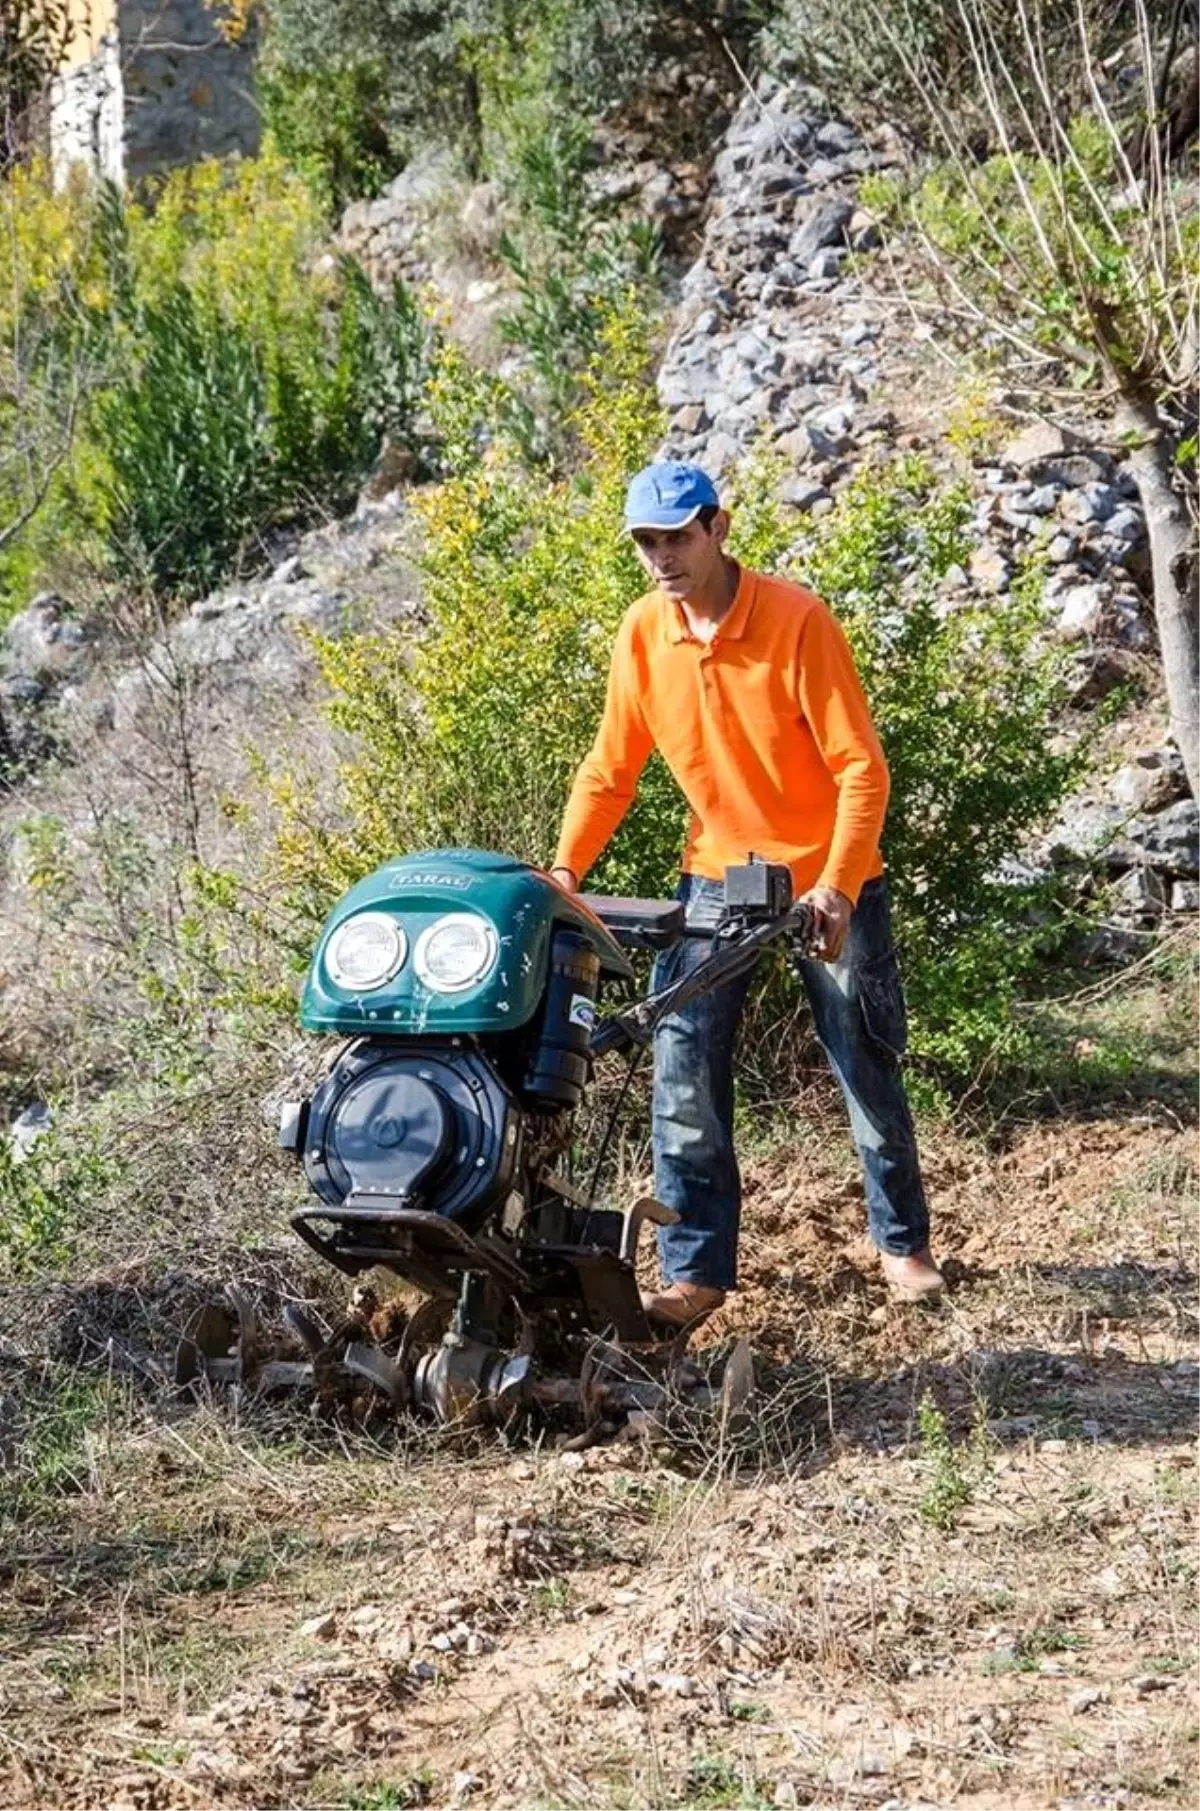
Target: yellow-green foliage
x=474, y=741
x=245, y=235
x=210, y=361
x=49, y=248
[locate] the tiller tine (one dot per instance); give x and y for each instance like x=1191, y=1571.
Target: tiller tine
x=222, y=1346
x=377, y=1368
x=311, y=1334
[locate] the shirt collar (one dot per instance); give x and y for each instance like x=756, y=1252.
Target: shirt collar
x=733, y=625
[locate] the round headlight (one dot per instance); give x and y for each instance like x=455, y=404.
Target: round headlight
x=365, y=952
x=456, y=952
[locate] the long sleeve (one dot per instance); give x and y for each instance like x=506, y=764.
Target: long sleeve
x=606, y=782
x=836, y=709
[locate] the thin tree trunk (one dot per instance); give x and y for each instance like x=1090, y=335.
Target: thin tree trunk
x=1173, y=564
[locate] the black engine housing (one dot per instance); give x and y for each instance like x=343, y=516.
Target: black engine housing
x=430, y=1127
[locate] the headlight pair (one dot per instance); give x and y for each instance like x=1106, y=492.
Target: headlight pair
x=451, y=954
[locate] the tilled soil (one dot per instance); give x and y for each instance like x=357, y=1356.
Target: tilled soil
x=955, y=1565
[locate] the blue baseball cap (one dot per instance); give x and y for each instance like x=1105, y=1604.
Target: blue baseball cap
x=669, y=494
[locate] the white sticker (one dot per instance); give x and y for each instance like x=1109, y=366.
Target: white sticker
x=583, y=1011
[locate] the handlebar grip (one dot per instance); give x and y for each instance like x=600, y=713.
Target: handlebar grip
x=801, y=925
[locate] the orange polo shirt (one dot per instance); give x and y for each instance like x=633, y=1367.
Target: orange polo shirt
x=765, y=728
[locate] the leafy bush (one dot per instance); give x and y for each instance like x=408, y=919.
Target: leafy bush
x=45, y=1195
x=52, y=354
x=1097, y=303
x=969, y=699
x=571, y=264
x=965, y=693
x=212, y=436
x=458, y=57
x=331, y=124
x=202, y=369
x=475, y=737
x=190, y=449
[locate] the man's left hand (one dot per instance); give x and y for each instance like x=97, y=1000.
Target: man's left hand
x=832, y=911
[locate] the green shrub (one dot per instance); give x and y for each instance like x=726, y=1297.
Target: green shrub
x=45, y=1199
x=968, y=699
x=572, y=265
x=53, y=351
x=331, y=124
x=965, y=693
x=188, y=438
x=1070, y=216
x=953, y=1473
x=205, y=368
x=458, y=58
x=215, y=434
x=475, y=737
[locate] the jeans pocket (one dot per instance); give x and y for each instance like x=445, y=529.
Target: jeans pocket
x=881, y=998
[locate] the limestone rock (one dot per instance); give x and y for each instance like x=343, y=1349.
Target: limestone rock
x=1139, y=894
x=1086, y=830
x=989, y=568
x=45, y=641
x=826, y=227
x=1150, y=782
x=1170, y=840
x=1079, y=608
x=1037, y=443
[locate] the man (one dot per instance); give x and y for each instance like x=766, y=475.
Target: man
x=747, y=687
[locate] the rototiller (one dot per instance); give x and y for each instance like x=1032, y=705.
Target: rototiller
x=437, y=1147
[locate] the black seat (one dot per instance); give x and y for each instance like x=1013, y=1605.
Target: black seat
x=642, y=924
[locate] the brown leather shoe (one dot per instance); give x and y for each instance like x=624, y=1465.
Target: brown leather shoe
x=681, y=1305
x=912, y=1278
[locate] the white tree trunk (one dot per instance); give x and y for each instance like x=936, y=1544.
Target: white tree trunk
x=1173, y=564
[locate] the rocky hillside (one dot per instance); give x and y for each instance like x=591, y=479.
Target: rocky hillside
x=792, y=329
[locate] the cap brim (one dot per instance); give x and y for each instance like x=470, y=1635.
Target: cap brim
x=669, y=518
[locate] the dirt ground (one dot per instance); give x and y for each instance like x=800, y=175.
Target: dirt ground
x=954, y=1566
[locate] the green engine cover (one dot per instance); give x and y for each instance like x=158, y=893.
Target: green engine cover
x=520, y=904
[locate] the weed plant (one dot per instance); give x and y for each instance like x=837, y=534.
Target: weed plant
x=331, y=123
x=953, y=1473
x=42, y=1193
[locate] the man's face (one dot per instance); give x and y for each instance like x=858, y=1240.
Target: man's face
x=683, y=561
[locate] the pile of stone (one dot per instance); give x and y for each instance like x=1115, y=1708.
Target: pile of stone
x=1139, y=831
x=1072, y=505
x=774, y=335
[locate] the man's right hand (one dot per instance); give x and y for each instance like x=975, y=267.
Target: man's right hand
x=565, y=878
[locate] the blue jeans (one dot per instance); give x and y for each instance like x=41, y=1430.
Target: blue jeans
x=858, y=1007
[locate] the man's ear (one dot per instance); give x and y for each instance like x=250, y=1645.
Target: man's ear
x=720, y=527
